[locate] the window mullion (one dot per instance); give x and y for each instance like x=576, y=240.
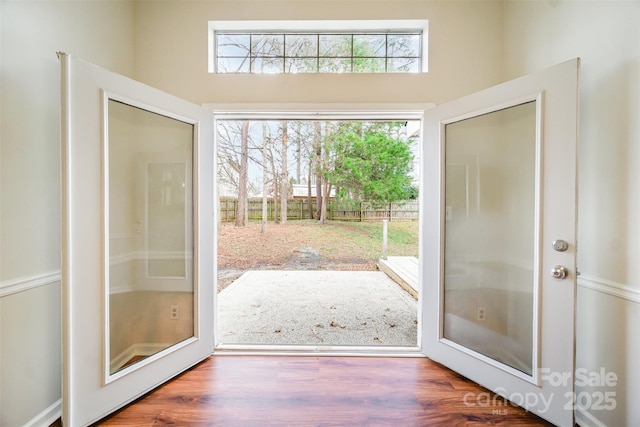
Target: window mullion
x=250, y=53
x=352, y=53
x=386, y=52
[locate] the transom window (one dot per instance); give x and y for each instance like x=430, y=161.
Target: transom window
x=318, y=52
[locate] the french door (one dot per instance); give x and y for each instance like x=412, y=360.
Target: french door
x=138, y=281
x=499, y=240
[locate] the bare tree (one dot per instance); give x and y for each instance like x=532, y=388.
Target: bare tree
x=299, y=142
x=265, y=179
x=228, y=154
x=326, y=190
x=302, y=135
x=325, y=168
x=309, y=192
x=276, y=181
x=243, y=175
x=317, y=145
x=284, y=180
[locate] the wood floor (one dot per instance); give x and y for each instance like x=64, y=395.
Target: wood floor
x=320, y=391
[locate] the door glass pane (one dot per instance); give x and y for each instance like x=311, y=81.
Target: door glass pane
x=490, y=204
x=166, y=216
x=150, y=233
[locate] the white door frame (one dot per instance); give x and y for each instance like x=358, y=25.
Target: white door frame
x=323, y=112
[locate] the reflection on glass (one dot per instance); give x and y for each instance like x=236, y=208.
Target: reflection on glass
x=490, y=234
x=150, y=229
x=166, y=216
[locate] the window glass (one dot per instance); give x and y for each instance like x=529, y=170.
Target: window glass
x=336, y=45
x=236, y=45
x=367, y=45
x=368, y=65
x=334, y=65
x=233, y=65
x=403, y=45
x=334, y=52
x=267, y=65
x=301, y=65
x=267, y=44
x=402, y=65
x=300, y=45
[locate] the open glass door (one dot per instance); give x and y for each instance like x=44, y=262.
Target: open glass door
x=499, y=240
x=138, y=256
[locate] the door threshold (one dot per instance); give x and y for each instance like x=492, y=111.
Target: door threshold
x=314, y=350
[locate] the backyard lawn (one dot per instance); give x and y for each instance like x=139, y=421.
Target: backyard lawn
x=309, y=245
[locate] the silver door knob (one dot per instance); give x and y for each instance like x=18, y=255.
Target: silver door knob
x=559, y=272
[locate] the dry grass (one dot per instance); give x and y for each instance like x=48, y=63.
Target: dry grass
x=310, y=245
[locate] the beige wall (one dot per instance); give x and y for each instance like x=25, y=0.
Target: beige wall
x=31, y=33
x=606, y=36
x=464, y=51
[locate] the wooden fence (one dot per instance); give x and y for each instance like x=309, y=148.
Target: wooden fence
x=404, y=210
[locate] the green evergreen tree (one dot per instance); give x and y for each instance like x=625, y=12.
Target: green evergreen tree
x=370, y=162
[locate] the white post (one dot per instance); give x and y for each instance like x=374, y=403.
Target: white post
x=385, y=227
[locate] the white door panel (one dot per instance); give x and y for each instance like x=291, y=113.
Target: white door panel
x=138, y=255
x=498, y=188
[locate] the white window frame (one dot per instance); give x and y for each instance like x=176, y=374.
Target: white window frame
x=321, y=26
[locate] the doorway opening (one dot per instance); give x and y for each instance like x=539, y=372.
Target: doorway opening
x=305, y=203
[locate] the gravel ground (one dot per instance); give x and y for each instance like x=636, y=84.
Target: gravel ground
x=317, y=308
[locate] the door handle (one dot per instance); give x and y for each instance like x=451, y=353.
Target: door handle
x=559, y=272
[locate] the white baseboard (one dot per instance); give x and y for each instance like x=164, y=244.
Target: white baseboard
x=46, y=417
x=140, y=349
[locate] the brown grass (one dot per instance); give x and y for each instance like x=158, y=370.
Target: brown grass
x=310, y=245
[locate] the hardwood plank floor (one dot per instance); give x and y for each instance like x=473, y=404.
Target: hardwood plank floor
x=320, y=391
